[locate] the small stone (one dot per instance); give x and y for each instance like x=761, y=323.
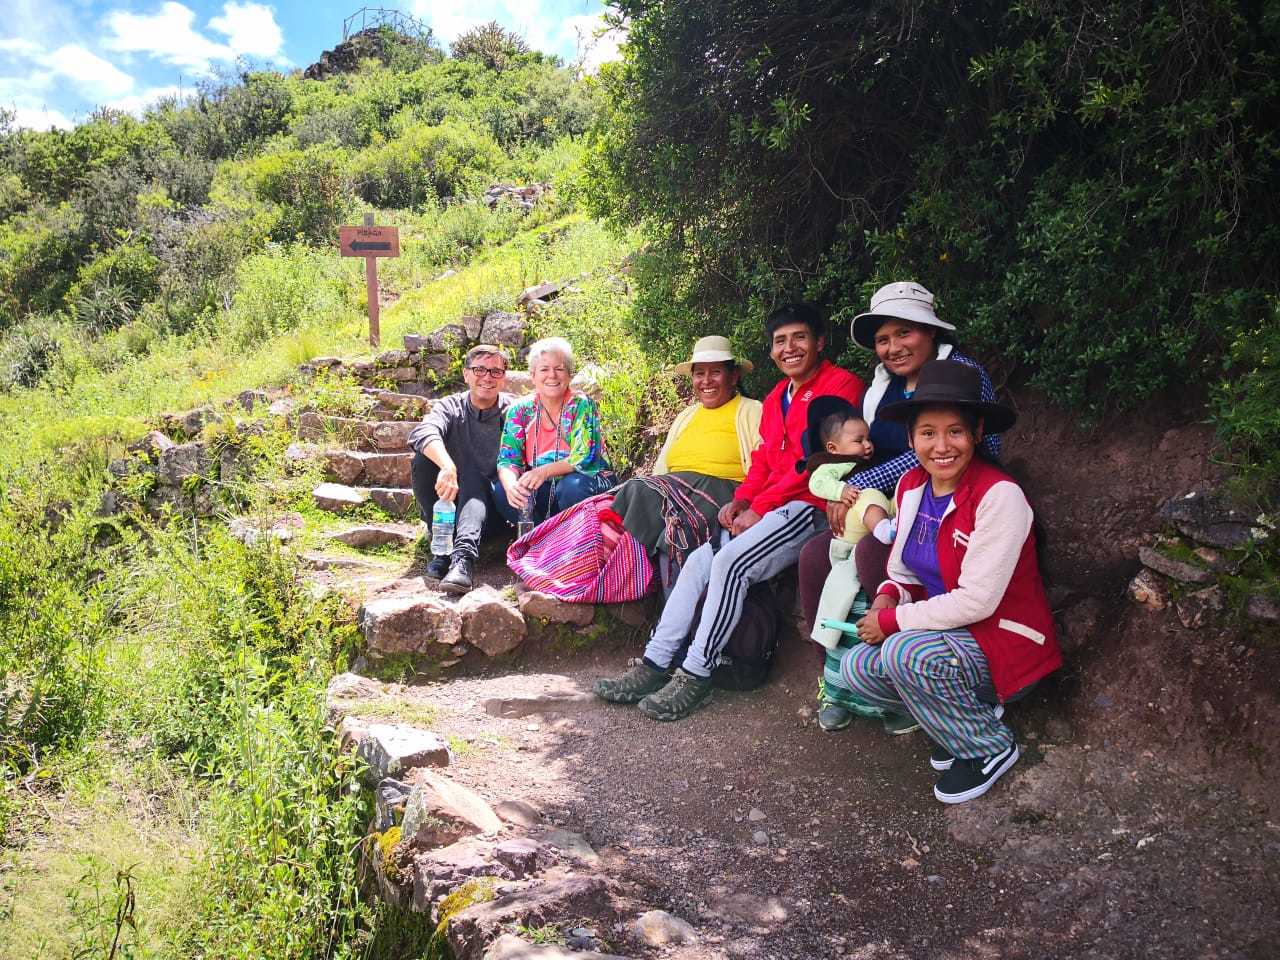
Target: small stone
x=391, y=749
x=755, y=815
x=283, y=407
x=542, y=291
x=760, y=838
x=413, y=342
x=193, y=421
x=520, y=856
x=345, y=692
x=911, y=863
x=572, y=845
x=345, y=466
x=181, y=461
x=1147, y=589
x=1178, y=570
x=657, y=928
x=1199, y=606
x=448, y=337
x=472, y=323
x=151, y=445
x=396, y=501
x=392, y=358
x=389, y=802
x=1262, y=607
x=248, y=399
x=374, y=535
x=518, y=812
x=503, y=329
x=399, y=373
x=337, y=497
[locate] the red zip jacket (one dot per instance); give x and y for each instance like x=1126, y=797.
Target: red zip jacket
x=772, y=479
x=987, y=560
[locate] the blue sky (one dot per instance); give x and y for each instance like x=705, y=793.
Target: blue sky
x=59, y=59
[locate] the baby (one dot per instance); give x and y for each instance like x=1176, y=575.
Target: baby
x=846, y=439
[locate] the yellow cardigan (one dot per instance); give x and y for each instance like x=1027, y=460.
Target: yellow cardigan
x=748, y=427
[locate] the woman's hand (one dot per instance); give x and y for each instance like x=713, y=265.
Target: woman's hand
x=729, y=513
x=533, y=478
x=836, y=511
x=849, y=495
x=517, y=495
x=869, y=628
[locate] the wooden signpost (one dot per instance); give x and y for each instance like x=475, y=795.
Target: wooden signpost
x=370, y=242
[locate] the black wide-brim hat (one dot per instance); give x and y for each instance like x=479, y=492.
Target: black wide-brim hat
x=819, y=409
x=951, y=383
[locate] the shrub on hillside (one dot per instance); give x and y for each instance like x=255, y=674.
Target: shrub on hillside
x=308, y=190
x=110, y=290
x=446, y=160
x=286, y=287
x=39, y=251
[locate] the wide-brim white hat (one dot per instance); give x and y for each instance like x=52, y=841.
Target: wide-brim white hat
x=712, y=350
x=895, y=301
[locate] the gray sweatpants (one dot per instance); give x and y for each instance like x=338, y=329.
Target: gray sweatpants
x=765, y=550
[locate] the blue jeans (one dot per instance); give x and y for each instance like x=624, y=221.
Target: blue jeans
x=570, y=489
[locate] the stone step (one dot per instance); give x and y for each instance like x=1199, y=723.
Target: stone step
x=361, y=468
x=391, y=405
x=380, y=436
x=341, y=498
x=376, y=535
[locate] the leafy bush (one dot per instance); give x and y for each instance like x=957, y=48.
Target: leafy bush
x=286, y=287
x=1246, y=409
x=27, y=353
x=111, y=290
x=307, y=191
x=425, y=162
x=490, y=44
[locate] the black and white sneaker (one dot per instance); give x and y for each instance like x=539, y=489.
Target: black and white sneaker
x=940, y=759
x=969, y=779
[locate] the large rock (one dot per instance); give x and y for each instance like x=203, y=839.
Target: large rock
x=317, y=426
x=375, y=535
x=344, y=466
x=447, y=338
x=538, y=904
x=1208, y=517
x=393, y=358
x=549, y=693
x=181, y=461
x=510, y=947
x=396, y=501
x=1179, y=570
x=441, y=812
x=519, y=855
x=388, y=469
x=392, y=749
x=338, y=498
x=504, y=329
x=473, y=324
x=489, y=622
x=543, y=606
x=543, y=292
x=657, y=928
x=409, y=624
x=389, y=436
x=151, y=445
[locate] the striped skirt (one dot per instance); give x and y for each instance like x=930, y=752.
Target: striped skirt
x=832, y=689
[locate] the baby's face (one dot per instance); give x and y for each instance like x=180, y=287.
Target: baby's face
x=854, y=439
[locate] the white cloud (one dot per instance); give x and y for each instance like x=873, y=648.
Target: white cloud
x=136, y=103
x=168, y=35
x=93, y=76
x=20, y=46
x=251, y=30
x=40, y=118
x=596, y=41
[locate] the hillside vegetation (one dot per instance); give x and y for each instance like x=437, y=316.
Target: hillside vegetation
x=1092, y=194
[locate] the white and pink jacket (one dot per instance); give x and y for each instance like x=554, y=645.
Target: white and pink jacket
x=987, y=559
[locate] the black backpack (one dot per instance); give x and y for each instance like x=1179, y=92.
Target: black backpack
x=748, y=654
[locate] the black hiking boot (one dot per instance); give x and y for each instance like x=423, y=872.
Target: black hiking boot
x=633, y=686
x=683, y=694
x=460, y=576
x=437, y=567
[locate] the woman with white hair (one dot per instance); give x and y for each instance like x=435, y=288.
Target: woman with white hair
x=552, y=452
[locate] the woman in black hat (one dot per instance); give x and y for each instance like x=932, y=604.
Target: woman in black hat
x=904, y=331
x=964, y=608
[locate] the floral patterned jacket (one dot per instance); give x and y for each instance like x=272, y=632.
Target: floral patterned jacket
x=580, y=424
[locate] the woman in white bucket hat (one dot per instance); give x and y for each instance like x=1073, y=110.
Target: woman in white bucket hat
x=705, y=456
x=904, y=331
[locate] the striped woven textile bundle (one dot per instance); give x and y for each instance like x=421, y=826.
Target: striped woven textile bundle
x=562, y=556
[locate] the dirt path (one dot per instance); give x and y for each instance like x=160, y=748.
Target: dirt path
x=1084, y=851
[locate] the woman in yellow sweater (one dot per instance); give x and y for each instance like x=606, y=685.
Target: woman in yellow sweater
x=705, y=457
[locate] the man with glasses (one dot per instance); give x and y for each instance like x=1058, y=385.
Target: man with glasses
x=456, y=456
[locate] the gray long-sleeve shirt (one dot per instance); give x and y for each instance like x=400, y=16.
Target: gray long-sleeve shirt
x=467, y=433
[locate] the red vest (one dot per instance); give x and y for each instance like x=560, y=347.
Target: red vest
x=1019, y=638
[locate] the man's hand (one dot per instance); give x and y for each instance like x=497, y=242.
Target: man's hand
x=729, y=513
x=836, y=511
x=447, y=483
x=849, y=495
x=744, y=521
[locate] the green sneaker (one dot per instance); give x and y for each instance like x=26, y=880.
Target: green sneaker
x=633, y=685
x=682, y=695
x=897, y=723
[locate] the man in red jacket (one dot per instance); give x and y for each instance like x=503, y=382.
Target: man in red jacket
x=772, y=516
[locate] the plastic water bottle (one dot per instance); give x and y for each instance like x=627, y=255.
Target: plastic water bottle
x=443, y=515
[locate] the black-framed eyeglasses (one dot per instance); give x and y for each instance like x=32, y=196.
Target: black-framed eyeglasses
x=493, y=373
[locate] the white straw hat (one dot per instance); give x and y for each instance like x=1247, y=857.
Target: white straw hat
x=895, y=301
x=712, y=350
